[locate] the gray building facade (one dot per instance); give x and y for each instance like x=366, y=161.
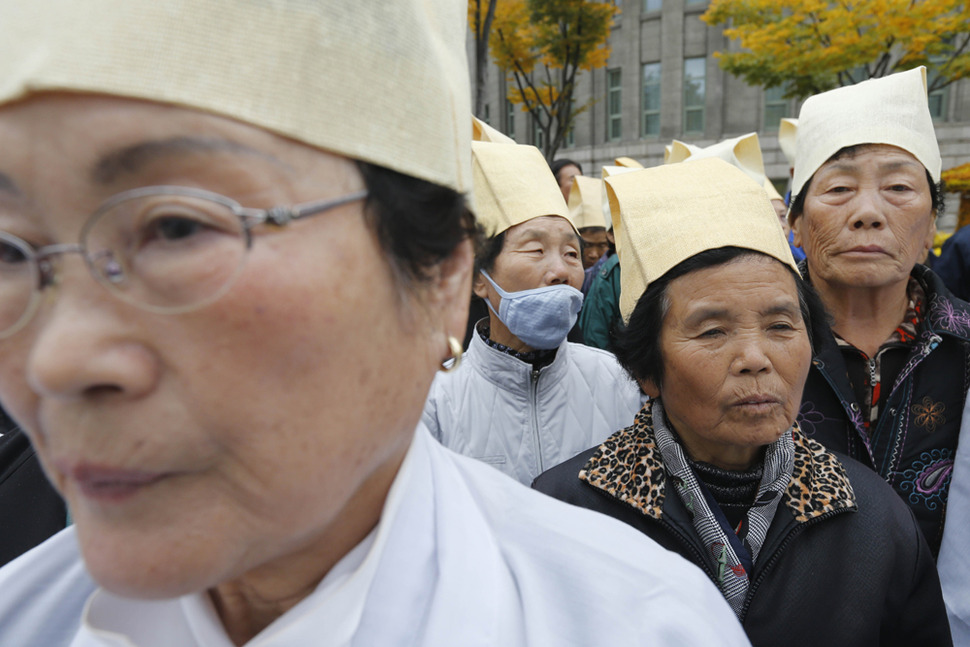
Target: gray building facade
x=663, y=82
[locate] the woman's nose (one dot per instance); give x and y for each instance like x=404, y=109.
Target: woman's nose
x=82, y=343
x=750, y=357
x=558, y=271
x=868, y=211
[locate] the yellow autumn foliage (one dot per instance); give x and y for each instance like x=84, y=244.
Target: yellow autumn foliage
x=809, y=46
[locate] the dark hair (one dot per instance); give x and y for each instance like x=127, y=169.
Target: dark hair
x=562, y=163
x=798, y=201
x=637, y=345
x=418, y=223
x=488, y=252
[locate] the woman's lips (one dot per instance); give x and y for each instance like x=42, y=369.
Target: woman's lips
x=866, y=249
x=757, y=403
x=110, y=485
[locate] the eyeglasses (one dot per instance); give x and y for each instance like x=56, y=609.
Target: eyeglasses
x=166, y=249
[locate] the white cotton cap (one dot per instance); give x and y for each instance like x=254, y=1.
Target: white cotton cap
x=672, y=212
x=513, y=184
x=382, y=82
x=890, y=110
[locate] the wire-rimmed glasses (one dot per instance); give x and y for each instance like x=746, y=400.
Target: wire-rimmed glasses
x=166, y=249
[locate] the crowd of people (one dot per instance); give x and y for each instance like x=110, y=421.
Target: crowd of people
x=686, y=410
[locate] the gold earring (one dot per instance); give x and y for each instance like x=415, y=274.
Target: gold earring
x=456, y=352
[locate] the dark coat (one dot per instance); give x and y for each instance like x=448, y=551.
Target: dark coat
x=915, y=439
x=841, y=564
x=30, y=509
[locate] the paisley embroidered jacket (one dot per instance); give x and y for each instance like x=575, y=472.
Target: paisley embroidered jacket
x=913, y=443
x=843, y=562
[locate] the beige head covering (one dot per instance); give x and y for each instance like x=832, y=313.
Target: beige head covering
x=672, y=212
x=613, y=217
x=744, y=152
x=482, y=132
x=513, y=184
x=383, y=82
x=678, y=151
x=627, y=162
x=787, y=134
x=892, y=110
x=586, y=200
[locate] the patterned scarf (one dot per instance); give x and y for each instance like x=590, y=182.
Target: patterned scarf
x=779, y=462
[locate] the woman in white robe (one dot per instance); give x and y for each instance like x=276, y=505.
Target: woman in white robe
x=227, y=388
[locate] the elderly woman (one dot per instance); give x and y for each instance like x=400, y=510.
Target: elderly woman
x=523, y=398
x=233, y=253
x=809, y=548
x=888, y=387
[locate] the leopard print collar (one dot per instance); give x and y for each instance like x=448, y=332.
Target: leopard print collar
x=629, y=467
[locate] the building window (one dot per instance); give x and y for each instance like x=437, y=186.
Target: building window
x=614, y=109
x=937, y=99
x=652, y=5
x=694, y=2
x=694, y=85
x=776, y=108
x=485, y=115
x=510, y=119
x=650, y=126
x=538, y=135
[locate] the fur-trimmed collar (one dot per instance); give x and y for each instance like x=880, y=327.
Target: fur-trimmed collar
x=629, y=467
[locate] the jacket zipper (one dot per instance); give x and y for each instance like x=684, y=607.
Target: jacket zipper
x=775, y=556
x=535, y=417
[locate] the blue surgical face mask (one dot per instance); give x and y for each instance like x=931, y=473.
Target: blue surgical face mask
x=541, y=317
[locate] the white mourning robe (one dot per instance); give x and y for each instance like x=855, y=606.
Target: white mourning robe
x=954, y=560
x=462, y=556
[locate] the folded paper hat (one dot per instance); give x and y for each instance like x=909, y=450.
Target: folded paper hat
x=627, y=162
x=672, y=212
x=513, y=184
x=787, y=133
x=890, y=110
x=743, y=152
x=482, y=132
x=586, y=202
x=678, y=151
x=382, y=82
x=613, y=218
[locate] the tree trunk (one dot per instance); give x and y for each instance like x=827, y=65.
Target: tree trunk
x=481, y=55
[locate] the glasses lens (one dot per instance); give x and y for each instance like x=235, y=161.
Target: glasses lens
x=18, y=283
x=168, y=252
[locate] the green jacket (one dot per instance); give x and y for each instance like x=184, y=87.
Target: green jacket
x=600, y=315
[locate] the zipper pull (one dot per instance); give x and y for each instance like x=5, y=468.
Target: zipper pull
x=931, y=344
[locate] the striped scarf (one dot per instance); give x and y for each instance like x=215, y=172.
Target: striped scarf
x=779, y=460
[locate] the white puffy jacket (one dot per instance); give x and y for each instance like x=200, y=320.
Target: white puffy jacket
x=495, y=408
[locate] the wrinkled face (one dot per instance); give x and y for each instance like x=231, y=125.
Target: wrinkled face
x=735, y=356
x=194, y=448
x=782, y=212
x=867, y=219
x=595, y=244
x=536, y=253
x=565, y=179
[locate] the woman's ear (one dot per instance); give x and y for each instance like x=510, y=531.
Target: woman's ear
x=931, y=234
x=649, y=387
x=480, y=286
x=449, y=293
x=796, y=230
